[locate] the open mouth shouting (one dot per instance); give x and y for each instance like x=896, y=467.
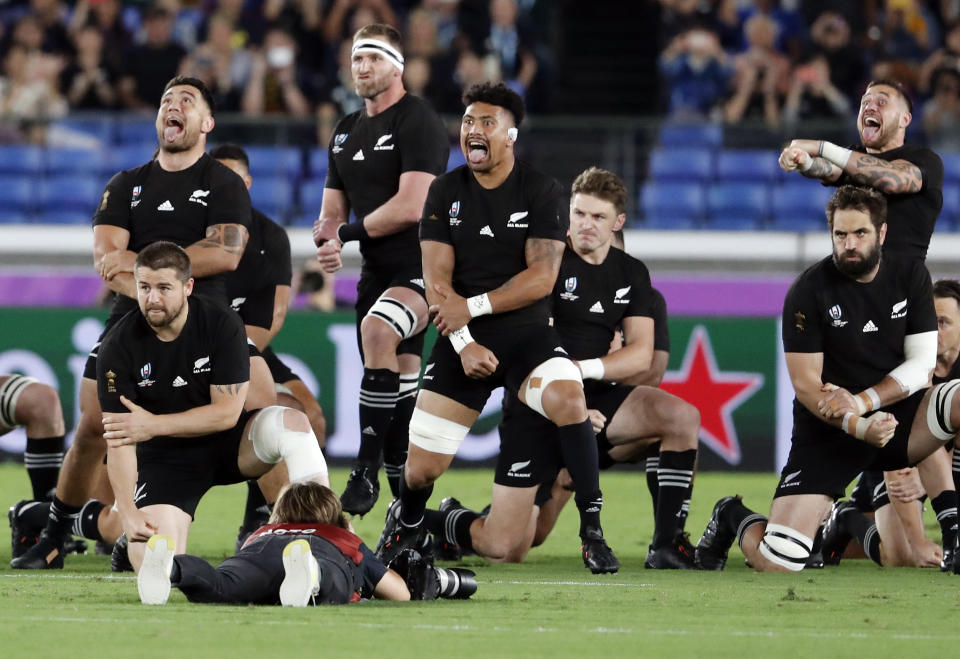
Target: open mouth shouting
x=172, y=128
x=477, y=150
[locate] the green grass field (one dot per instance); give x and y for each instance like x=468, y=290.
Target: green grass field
x=549, y=606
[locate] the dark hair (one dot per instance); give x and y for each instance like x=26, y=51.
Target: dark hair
x=496, y=94
x=230, y=152
x=858, y=198
x=380, y=30
x=602, y=184
x=308, y=502
x=896, y=84
x=164, y=254
x=947, y=288
x=197, y=84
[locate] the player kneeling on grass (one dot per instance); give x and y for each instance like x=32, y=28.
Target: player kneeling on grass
x=854, y=322
x=306, y=554
x=172, y=378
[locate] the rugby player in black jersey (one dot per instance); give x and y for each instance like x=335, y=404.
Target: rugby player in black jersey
x=259, y=290
x=910, y=176
x=492, y=237
x=853, y=322
x=382, y=160
x=172, y=379
x=185, y=196
x=599, y=292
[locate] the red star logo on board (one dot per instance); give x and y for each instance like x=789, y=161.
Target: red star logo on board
x=715, y=393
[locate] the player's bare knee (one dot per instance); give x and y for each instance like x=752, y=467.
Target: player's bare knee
x=555, y=390
x=377, y=336
x=296, y=420
x=39, y=409
x=684, y=421
x=564, y=403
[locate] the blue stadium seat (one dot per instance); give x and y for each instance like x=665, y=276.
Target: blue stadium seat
x=311, y=196
x=63, y=217
x=128, y=156
x=950, y=213
x=17, y=159
x=17, y=193
x=726, y=202
x=669, y=221
x=691, y=135
x=275, y=161
x=77, y=161
x=733, y=221
x=681, y=165
x=802, y=198
x=456, y=158
x=303, y=219
x=662, y=201
x=799, y=222
x=69, y=192
x=951, y=167
x=747, y=165
x=142, y=133
x=100, y=129
x=272, y=196
x=12, y=217
x=318, y=164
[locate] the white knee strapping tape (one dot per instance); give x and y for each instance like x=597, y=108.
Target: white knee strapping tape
x=555, y=368
x=786, y=547
x=938, y=410
x=435, y=434
x=10, y=392
x=273, y=441
x=396, y=314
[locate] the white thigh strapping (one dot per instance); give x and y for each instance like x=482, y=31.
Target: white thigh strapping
x=786, y=547
x=938, y=410
x=10, y=392
x=435, y=434
x=273, y=441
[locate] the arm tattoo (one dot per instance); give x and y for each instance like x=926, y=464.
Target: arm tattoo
x=896, y=177
x=228, y=389
x=232, y=238
x=820, y=169
x=538, y=250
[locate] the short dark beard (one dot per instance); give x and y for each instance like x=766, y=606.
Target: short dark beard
x=167, y=318
x=859, y=268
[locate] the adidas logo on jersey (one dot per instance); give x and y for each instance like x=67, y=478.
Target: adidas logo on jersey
x=870, y=327
x=369, y=431
x=618, y=297
x=384, y=147
x=486, y=231
x=165, y=206
x=597, y=307
x=179, y=382
x=358, y=155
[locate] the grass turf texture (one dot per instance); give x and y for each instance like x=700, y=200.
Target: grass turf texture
x=549, y=606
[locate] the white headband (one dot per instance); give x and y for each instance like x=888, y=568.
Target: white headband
x=382, y=47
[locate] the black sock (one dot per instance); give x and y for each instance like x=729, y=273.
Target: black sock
x=378, y=400
x=398, y=435
x=257, y=511
x=653, y=484
x=85, y=525
x=739, y=518
x=452, y=526
x=956, y=469
x=578, y=447
x=61, y=518
x=175, y=572
x=862, y=528
x=945, y=506
x=413, y=503
x=34, y=514
x=674, y=475
x=42, y=458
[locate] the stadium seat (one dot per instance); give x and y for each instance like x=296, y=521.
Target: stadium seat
x=142, y=133
x=318, y=164
x=758, y=165
x=456, y=158
x=17, y=193
x=128, y=156
x=87, y=128
x=683, y=201
x=17, y=159
x=669, y=221
x=681, y=165
x=726, y=202
x=311, y=196
x=691, y=135
x=13, y=217
x=275, y=161
x=77, y=217
x=950, y=213
x=69, y=192
x=272, y=196
x=951, y=167
x=77, y=161
x=807, y=198
x=799, y=222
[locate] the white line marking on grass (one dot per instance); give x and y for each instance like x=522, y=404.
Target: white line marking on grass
x=44, y=574
x=570, y=583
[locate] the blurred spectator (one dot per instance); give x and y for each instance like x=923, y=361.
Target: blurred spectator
x=941, y=114
x=51, y=16
x=514, y=48
x=88, y=82
x=302, y=19
x=249, y=25
x=341, y=22
x=697, y=72
x=421, y=47
x=187, y=22
x=814, y=97
x=830, y=33
x=341, y=98
x=277, y=84
x=416, y=75
x=790, y=27
x=28, y=98
x=224, y=68
x=443, y=14
x=947, y=58
x=760, y=76
x=909, y=31
x=149, y=66
x=317, y=286
x=106, y=16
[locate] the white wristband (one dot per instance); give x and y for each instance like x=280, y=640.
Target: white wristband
x=874, y=397
x=805, y=167
x=460, y=339
x=835, y=154
x=859, y=428
x=479, y=305
x=591, y=369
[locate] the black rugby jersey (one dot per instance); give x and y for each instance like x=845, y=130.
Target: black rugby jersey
x=367, y=155
x=488, y=230
x=591, y=301
x=910, y=217
x=266, y=260
x=166, y=377
x=661, y=332
x=154, y=204
x=859, y=327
